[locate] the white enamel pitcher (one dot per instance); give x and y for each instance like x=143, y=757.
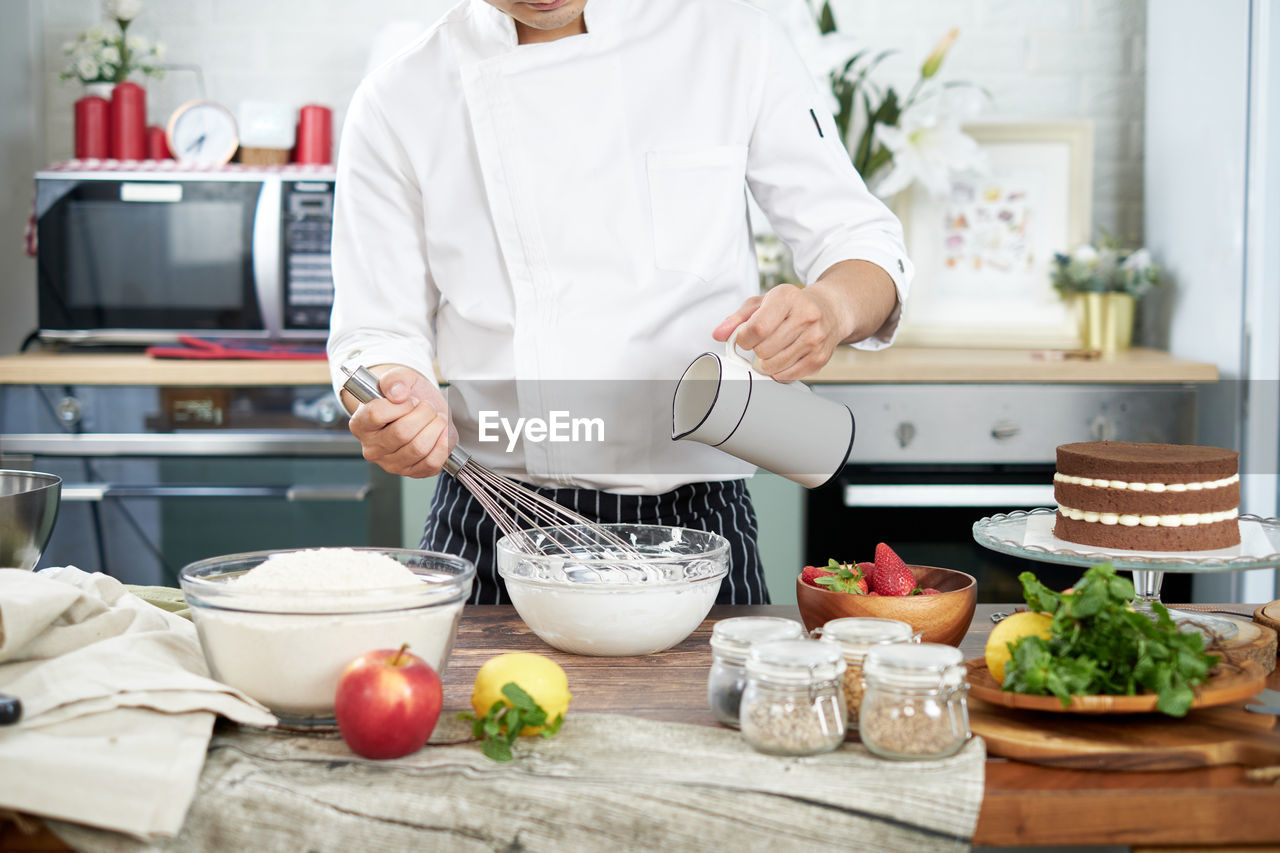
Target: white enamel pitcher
x=722, y=401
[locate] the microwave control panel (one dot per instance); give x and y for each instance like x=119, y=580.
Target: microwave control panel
x=308, y=275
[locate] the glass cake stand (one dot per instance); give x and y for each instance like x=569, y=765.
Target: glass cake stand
x=1008, y=533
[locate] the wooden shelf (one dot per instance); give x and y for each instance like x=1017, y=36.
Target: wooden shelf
x=896, y=364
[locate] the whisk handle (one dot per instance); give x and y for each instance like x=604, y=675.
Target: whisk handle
x=457, y=458
x=361, y=383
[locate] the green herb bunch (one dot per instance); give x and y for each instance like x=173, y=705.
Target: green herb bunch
x=1100, y=645
x=498, y=729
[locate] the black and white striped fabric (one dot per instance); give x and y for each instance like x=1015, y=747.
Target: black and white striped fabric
x=457, y=524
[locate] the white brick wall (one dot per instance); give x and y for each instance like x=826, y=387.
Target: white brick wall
x=1038, y=58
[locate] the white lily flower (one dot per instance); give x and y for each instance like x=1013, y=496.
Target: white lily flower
x=95, y=33
x=926, y=148
x=110, y=55
x=159, y=50
x=137, y=44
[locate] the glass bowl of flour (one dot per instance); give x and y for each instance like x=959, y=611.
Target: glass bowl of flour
x=281, y=625
x=586, y=596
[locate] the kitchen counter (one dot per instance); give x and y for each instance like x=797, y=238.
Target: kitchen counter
x=894, y=365
x=1023, y=804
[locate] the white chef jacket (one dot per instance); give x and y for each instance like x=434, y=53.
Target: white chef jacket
x=575, y=210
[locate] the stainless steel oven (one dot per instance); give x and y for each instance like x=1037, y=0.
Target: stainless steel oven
x=154, y=478
x=930, y=460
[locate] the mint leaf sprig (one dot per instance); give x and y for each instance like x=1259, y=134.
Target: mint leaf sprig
x=498, y=729
x=1100, y=644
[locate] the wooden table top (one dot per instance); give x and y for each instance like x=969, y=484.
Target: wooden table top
x=1024, y=804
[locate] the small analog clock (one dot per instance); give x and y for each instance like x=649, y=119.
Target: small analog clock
x=203, y=133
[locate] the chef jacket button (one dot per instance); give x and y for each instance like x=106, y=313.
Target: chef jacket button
x=901, y=268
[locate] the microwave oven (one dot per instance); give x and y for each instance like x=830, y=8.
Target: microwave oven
x=142, y=257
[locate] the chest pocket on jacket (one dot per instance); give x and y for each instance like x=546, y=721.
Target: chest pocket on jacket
x=699, y=211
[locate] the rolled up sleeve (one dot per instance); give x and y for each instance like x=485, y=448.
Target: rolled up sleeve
x=385, y=300
x=803, y=179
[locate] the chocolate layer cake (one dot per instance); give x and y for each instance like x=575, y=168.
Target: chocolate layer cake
x=1147, y=497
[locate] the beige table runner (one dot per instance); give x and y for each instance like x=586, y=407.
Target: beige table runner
x=603, y=783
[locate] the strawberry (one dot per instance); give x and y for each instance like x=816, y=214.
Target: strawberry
x=890, y=575
x=886, y=561
x=930, y=591
x=811, y=574
x=843, y=578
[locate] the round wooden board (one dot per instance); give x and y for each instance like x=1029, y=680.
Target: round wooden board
x=1268, y=615
x=1208, y=737
x=1253, y=640
x=1231, y=683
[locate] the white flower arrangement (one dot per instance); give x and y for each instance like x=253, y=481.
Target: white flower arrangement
x=1105, y=269
x=100, y=56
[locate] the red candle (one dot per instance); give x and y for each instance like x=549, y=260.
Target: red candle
x=93, y=128
x=157, y=144
x=315, y=135
x=128, y=122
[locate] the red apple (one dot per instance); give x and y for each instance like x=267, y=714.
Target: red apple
x=387, y=703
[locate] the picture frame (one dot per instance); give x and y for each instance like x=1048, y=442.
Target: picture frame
x=982, y=254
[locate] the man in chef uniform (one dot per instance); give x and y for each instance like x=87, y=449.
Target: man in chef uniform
x=536, y=196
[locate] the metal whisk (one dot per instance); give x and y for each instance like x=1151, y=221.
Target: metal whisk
x=520, y=513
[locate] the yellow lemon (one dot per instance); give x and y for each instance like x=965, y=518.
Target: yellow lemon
x=1009, y=630
x=538, y=675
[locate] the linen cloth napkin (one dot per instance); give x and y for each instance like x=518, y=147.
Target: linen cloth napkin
x=118, y=705
x=604, y=782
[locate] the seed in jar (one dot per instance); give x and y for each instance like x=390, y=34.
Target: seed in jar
x=909, y=730
x=793, y=728
x=853, y=690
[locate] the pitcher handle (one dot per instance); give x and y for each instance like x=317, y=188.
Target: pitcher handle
x=731, y=352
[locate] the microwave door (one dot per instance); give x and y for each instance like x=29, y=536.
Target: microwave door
x=140, y=260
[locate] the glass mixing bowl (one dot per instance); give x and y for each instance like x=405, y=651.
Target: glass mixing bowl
x=288, y=648
x=600, y=601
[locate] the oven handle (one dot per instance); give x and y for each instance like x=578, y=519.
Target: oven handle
x=98, y=492
x=943, y=495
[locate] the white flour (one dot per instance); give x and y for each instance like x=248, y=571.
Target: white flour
x=291, y=662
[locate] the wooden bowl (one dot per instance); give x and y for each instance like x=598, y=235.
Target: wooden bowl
x=943, y=616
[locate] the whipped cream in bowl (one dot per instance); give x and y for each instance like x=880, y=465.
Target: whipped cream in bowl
x=590, y=597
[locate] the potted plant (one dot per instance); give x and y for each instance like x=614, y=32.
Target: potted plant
x=100, y=59
x=1105, y=282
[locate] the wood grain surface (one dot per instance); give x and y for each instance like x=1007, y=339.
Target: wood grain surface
x=897, y=364
x=1148, y=742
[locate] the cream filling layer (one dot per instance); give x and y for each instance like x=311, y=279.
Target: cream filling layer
x=1190, y=519
x=1073, y=480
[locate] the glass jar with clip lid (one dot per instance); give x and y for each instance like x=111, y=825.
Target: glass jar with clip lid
x=793, y=702
x=855, y=635
x=914, y=705
x=731, y=640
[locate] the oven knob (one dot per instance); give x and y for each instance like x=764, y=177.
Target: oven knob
x=68, y=410
x=905, y=433
x=1005, y=430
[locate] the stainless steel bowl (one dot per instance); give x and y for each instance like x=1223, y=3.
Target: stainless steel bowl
x=28, y=508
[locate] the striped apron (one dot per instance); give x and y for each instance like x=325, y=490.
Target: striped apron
x=457, y=524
